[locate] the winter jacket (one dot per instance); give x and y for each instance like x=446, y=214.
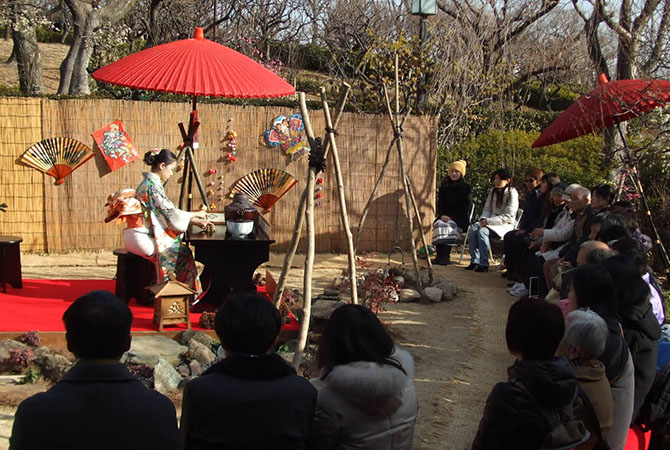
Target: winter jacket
x=365, y=405
x=591, y=378
x=532, y=209
x=512, y=420
x=501, y=219
x=562, y=229
x=580, y=234
x=642, y=332
x=453, y=200
x=248, y=402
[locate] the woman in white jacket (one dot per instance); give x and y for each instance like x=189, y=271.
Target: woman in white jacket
x=498, y=218
x=366, y=397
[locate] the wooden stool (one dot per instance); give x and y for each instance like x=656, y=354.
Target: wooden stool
x=10, y=262
x=133, y=275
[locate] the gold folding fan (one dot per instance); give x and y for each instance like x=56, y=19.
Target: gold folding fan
x=264, y=186
x=57, y=157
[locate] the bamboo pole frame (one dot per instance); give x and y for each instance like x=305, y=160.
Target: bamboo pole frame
x=309, y=257
x=300, y=217
x=343, y=203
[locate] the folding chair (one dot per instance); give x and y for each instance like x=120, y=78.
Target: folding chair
x=467, y=232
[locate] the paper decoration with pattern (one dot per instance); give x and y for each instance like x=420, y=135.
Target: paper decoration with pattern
x=115, y=145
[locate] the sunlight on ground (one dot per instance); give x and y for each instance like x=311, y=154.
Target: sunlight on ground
x=401, y=312
x=405, y=322
x=408, y=344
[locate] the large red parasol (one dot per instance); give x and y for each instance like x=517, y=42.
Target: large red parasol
x=606, y=105
x=196, y=67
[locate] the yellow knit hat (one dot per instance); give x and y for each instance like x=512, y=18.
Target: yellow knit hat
x=459, y=166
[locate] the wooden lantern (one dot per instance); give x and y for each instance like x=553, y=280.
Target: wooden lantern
x=171, y=305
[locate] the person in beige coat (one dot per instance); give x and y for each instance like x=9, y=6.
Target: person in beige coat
x=366, y=397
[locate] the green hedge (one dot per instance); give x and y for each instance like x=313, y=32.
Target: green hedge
x=575, y=161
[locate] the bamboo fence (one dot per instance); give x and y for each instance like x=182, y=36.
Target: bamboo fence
x=69, y=217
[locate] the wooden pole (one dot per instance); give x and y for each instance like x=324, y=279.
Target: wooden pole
x=397, y=132
x=300, y=218
x=418, y=219
x=378, y=183
x=343, y=202
x=309, y=257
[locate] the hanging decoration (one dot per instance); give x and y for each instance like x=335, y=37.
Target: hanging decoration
x=115, y=144
x=318, y=191
x=57, y=157
x=230, y=141
x=286, y=133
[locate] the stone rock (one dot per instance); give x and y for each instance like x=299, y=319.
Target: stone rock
x=149, y=349
x=322, y=309
x=332, y=293
x=200, y=353
x=184, y=370
x=10, y=344
x=433, y=294
x=407, y=295
x=196, y=368
x=166, y=377
x=449, y=289
x=425, y=278
x=196, y=335
x=52, y=365
x=399, y=279
x=410, y=278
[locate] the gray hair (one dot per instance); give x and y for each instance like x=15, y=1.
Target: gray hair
x=588, y=331
x=595, y=252
x=581, y=192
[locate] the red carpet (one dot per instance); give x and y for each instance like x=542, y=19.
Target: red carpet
x=40, y=305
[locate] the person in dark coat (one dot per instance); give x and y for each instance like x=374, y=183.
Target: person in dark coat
x=536, y=207
x=98, y=404
x=640, y=327
x=251, y=399
x=512, y=418
x=453, y=210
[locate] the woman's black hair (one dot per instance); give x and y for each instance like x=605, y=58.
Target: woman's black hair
x=594, y=288
x=534, y=329
x=631, y=249
x=499, y=194
x=604, y=191
x=631, y=289
x=353, y=333
x=612, y=232
x=155, y=159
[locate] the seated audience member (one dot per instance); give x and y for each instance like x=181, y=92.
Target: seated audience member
x=453, y=207
x=632, y=249
x=582, y=213
x=534, y=211
x=98, y=404
x=602, y=197
x=548, y=241
x=607, y=219
x=498, y=218
x=626, y=208
x=251, y=399
x=593, y=252
x=583, y=342
x=512, y=418
x=592, y=287
x=366, y=396
x=640, y=327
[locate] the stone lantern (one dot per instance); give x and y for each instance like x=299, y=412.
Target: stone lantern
x=171, y=305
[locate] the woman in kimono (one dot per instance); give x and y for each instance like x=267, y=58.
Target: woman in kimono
x=166, y=222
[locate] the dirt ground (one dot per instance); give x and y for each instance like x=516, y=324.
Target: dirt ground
x=458, y=346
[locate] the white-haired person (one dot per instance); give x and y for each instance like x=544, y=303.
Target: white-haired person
x=583, y=342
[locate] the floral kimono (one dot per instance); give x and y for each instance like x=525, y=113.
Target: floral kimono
x=168, y=225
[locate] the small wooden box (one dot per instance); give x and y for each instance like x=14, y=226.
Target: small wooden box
x=171, y=306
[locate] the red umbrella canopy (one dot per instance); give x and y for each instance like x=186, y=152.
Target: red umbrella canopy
x=197, y=67
x=602, y=107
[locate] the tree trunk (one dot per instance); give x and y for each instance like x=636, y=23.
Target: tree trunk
x=28, y=60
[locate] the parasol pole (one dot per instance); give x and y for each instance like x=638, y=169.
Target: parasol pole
x=640, y=189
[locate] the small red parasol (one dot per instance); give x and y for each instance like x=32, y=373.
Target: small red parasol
x=196, y=67
x=606, y=105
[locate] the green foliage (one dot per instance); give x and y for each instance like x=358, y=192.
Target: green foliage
x=313, y=57
x=308, y=85
x=52, y=36
x=553, y=97
x=575, y=161
x=29, y=377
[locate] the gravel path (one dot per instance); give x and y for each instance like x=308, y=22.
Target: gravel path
x=459, y=346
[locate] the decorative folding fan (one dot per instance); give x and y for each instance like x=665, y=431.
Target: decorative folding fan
x=57, y=157
x=264, y=186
